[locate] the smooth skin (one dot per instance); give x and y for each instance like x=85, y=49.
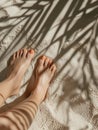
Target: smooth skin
x=18, y=65
x=20, y=116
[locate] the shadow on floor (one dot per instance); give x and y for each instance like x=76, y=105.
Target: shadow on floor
x=77, y=26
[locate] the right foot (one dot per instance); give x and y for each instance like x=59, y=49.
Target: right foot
x=18, y=65
x=41, y=78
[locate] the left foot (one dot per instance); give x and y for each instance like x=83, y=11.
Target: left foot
x=41, y=78
x=18, y=65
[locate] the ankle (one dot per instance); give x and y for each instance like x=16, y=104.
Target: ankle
x=7, y=88
x=36, y=96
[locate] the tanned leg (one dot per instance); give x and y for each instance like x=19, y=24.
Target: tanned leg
x=21, y=116
x=18, y=65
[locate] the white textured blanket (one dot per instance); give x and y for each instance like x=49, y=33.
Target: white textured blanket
x=67, y=31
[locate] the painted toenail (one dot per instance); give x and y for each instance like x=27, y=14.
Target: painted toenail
x=43, y=57
x=31, y=51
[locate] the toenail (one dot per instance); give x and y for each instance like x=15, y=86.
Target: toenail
x=43, y=57
x=31, y=51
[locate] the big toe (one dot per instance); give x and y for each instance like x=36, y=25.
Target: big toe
x=30, y=54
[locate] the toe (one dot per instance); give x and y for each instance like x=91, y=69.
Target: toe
x=30, y=54
x=20, y=52
x=41, y=60
x=14, y=56
x=17, y=54
x=50, y=62
x=24, y=52
x=47, y=62
x=53, y=68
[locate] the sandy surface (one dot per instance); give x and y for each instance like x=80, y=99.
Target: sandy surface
x=67, y=31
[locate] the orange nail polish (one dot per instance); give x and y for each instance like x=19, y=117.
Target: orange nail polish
x=31, y=51
x=43, y=57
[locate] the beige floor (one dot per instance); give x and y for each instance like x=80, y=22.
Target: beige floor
x=67, y=31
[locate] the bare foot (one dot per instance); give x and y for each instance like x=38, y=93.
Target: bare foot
x=41, y=78
x=18, y=65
